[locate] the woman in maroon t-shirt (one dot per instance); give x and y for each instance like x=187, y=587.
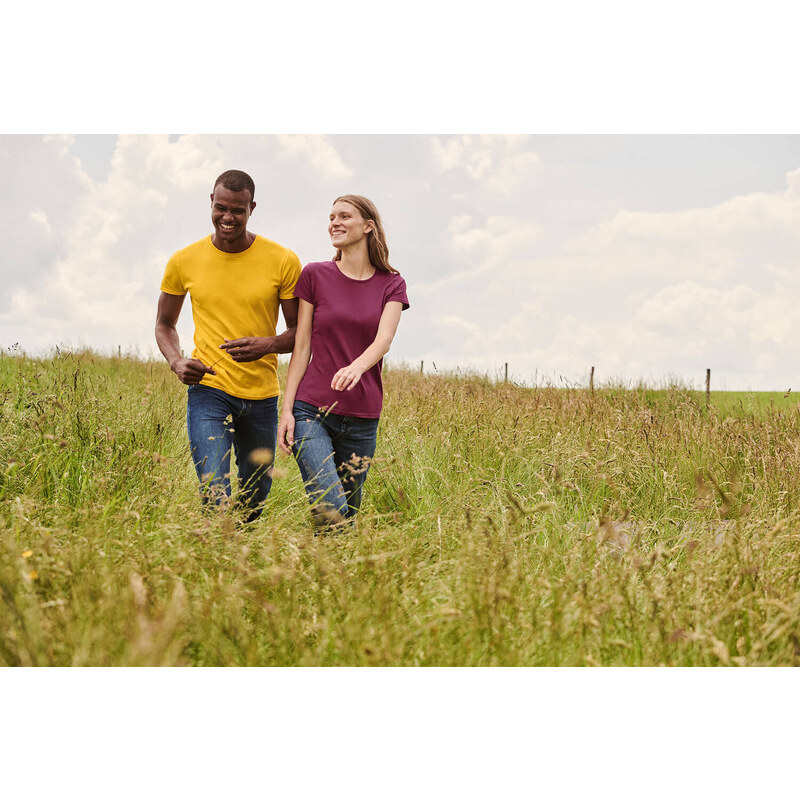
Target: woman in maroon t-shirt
x=349, y=311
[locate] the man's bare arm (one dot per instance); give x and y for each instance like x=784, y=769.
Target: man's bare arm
x=189, y=370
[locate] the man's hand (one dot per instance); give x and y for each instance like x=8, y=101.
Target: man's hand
x=190, y=370
x=248, y=348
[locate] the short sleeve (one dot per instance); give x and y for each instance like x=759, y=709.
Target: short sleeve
x=397, y=292
x=304, y=288
x=172, y=282
x=290, y=276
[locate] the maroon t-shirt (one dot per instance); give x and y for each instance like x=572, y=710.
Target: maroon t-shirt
x=346, y=317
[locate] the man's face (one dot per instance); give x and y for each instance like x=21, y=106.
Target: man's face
x=230, y=212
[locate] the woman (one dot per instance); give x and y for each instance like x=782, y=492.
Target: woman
x=349, y=311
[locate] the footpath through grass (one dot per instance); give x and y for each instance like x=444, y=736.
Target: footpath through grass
x=502, y=526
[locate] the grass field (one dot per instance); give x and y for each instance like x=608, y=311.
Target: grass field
x=501, y=526
x=742, y=403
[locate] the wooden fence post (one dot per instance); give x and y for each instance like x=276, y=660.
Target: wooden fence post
x=421, y=365
x=591, y=380
x=506, y=378
x=708, y=388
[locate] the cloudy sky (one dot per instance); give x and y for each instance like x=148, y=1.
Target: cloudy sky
x=647, y=256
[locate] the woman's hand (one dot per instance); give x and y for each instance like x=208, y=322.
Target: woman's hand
x=286, y=432
x=347, y=377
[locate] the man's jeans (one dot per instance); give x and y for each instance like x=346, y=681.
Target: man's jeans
x=333, y=453
x=217, y=423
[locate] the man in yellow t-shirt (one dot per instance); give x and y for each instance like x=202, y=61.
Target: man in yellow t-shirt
x=237, y=281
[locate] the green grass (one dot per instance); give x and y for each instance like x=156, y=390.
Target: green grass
x=754, y=402
x=734, y=403
x=501, y=526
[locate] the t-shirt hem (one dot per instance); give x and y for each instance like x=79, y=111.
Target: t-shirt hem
x=239, y=395
x=334, y=409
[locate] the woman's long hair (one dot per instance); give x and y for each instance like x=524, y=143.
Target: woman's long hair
x=376, y=238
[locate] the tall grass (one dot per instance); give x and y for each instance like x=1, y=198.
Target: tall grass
x=501, y=526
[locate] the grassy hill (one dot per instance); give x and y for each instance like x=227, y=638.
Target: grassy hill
x=501, y=526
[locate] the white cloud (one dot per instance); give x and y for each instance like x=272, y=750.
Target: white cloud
x=44, y=191
x=483, y=254
x=499, y=163
x=707, y=316
x=317, y=152
x=720, y=243
x=184, y=165
x=40, y=218
x=459, y=327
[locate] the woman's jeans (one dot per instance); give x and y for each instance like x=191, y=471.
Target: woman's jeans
x=219, y=422
x=334, y=454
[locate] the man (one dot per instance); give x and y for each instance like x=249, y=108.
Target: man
x=237, y=281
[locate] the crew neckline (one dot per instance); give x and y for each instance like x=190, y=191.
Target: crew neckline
x=225, y=252
x=354, y=280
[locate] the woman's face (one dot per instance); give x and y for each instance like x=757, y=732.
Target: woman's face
x=347, y=226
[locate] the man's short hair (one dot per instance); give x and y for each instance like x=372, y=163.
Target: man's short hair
x=236, y=181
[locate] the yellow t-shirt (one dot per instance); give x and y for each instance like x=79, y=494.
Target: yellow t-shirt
x=234, y=295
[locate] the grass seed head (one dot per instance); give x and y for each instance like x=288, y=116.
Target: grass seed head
x=262, y=457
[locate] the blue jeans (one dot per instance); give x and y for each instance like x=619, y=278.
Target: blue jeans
x=334, y=454
x=218, y=422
